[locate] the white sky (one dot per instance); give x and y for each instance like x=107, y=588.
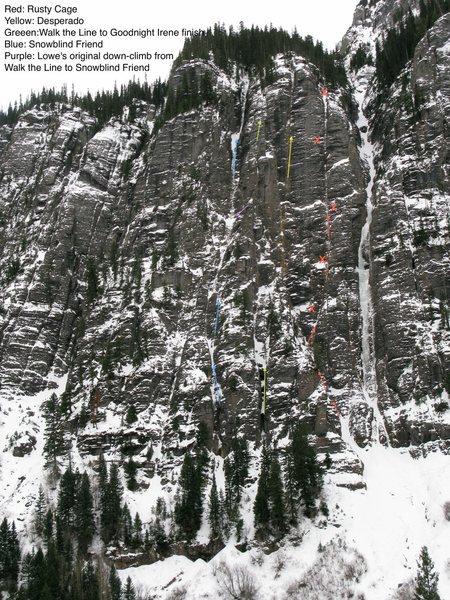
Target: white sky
x=326, y=20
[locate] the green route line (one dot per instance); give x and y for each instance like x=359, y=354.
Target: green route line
x=265, y=389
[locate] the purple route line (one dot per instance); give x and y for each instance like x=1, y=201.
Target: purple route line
x=240, y=212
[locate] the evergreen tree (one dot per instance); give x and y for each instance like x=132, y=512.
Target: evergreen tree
x=52, y=567
x=127, y=526
x=129, y=591
x=48, y=526
x=360, y=58
x=261, y=507
x=84, y=516
x=130, y=469
x=236, y=467
x=26, y=566
x=115, y=585
x=9, y=555
x=427, y=579
x=111, y=506
x=304, y=473
x=90, y=582
x=158, y=534
x=67, y=498
x=224, y=513
x=188, y=507
x=400, y=41
x=236, y=470
x=36, y=579
x=60, y=534
x=46, y=594
x=131, y=415
x=83, y=417
x=41, y=509
x=66, y=401
x=137, y=531
x=276, y=496
x=291, y=491
x=214, y=512
x=254, y=48
x=54, y=430
x=14, y=554
x=102, y=478
x=269, y=506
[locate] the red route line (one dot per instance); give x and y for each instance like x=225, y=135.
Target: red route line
x=323, y=260
x=312, y=334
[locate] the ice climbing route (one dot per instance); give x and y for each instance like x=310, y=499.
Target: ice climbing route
x=322, y=380
x=234, y=151
x=216, y=392
x=262, y=352
x=216, y=322
x=369, y=383
x=264, y=404
x=323, y=262
x=259, y=129
x=214, y=368
x=291, y=141
x=239, y=213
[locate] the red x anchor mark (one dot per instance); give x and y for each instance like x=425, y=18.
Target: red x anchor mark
x=336, y=408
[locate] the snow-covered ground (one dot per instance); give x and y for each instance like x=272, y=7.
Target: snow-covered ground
x=400, y=511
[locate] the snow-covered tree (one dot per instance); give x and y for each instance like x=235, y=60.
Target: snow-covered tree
x=214, y=512
x=129, y=592
x=427, y=579
x=54, y=430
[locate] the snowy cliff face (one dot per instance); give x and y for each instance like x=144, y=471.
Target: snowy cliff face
x=408, y=245
x=411, y=290
x=292, y=234
x=202, y=213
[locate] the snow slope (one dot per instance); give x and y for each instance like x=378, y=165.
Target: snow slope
x=400, y=511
